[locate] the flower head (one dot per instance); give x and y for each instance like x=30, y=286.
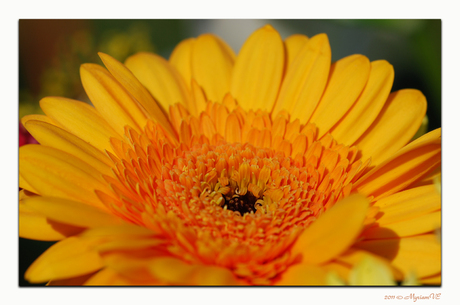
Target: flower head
x=270, y=167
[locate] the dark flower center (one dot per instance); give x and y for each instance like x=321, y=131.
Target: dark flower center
x=241, y=203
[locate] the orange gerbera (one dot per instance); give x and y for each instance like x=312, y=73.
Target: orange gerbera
x=273, y=167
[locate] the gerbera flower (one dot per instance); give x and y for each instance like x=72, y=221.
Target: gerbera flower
x=272, y=167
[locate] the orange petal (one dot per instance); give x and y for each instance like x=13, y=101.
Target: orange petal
x=368, y=105
x=305, y=80
x=347, y=79
x=53, y=136
x=111, y=99
x=402, y=169
x=81, y=120
x=55, y=173
x=258, y=70
x=68, y=258
x=162, y=80
x=233, y=129
x=420, y=254
x=135, y=88
x=396, y=124
x=71, y=212
x=334, y=231
x=212, y=63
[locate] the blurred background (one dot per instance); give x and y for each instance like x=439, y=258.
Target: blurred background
x=51, y=52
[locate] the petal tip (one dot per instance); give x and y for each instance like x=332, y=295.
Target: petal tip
x=269, y=27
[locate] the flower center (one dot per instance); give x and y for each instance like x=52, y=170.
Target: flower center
x=243, y=204
x=251, y=194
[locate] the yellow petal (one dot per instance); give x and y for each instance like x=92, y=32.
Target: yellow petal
x=293, y=44
x=181, y=59
x=111, y=99
x=258, y=70
x=333, y=279
x=334, y=231
x=212, y=63
x=432, y=178
x=53, y=136
x=303, y=275
x=129, y=245
x=24, y=194
x=410, y=280
x=33, y=225
x=396, y=124
x=413, y=226
x=305, y=79
x=371, y=272
x=108, y=277
x=199, y=99
x=122, y=236
x=339, y=270
x=23, y=184
x=68, y=258
x=139, y=92
x=347, y=79
x=81, y=120
x=55, y=173
x=177, y=272
x=36, y=117
x=71, y=212
x=74, y=281
x=354, y=257
x=409, y=204
x=420, y=254
x=422, y=129
x=162, y=80
x=120, y=231
x=437, y=183
x=431, y=280
x=368, y=105
x=133, y=265
x=405, y=167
